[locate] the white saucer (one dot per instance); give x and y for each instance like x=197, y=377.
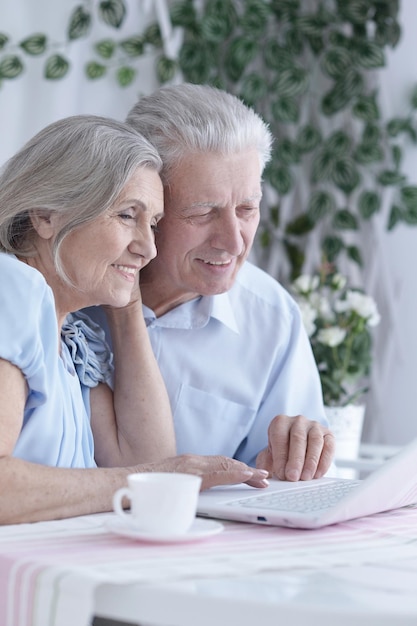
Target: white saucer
x=201, y=529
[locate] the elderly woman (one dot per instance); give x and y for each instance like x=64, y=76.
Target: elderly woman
x=79, y=204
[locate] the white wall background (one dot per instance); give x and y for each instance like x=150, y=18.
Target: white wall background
x=29, y=103
x=392, y=410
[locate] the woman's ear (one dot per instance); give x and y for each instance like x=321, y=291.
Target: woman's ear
x=44, y=222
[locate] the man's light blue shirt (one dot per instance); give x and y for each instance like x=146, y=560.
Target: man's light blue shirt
x=232, y=362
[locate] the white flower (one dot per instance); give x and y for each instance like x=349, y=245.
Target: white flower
x=362, y=304
x=323, y=306
x=308, y=315
x=332, y=336
x=339, y=282
x=306, y=283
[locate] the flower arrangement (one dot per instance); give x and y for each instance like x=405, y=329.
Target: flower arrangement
x=339, y=321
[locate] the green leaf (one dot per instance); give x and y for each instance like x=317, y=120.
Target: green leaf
x=308, y=138
x=387, y=33
x=389, y=177
x=395, y=216
x=338, y=143
x=409, y=196
x=366, y=108
x=413, y=97
x=79, y=24
x=183, y=14
x=11, y=67
x=274, y=214
x=345, y=174
x=3, y=40
x=294, y=41
x=343, y=91
x=322, y=166
x=316, y=44
x=397, y=155
x=332, y=246
x=225, y=9
x=217, y=82
x=152, y=36
x=194, y=62
x=354, y=11
x=411, y=131
x=265, y=238
x=285, y=10
x=95, y=70
x=287, y=151
x=366, y=153
x=255, y=16
x=165, y=69
x=240, y=53
x=369, y=55
x=276, y=57
x=336, y=61
x=279, y=176
x=354, y=254
x=371, y=133
x=410, y=216
x=133, y=47
x=296, y=258
x=112, y=12
x=56, y=67
x=105, y=48
x=310, y=25
x=253, y=88
x=291, y=82
x=215, y=29
x=34, y=45
x=125, y=76
x=339, y=40
x=345, y=220
x=301, y=225
x=369, y=202
x=396, y=126
x=321, y=204
x=285, y=110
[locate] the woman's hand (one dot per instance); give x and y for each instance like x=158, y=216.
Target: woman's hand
x=214, y=470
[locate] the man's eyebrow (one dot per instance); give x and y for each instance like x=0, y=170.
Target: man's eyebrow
x=213, y=205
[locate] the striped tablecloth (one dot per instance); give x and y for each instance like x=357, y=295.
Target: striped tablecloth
x=49, y=571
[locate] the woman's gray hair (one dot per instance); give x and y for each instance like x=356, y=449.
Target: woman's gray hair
x=183, y=119
x=76, y=168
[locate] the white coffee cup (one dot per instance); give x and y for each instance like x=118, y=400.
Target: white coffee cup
x=162, y=503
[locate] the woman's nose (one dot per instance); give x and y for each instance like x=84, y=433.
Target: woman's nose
x=144, y=244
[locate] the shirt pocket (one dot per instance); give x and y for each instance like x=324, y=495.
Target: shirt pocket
x=209, y=424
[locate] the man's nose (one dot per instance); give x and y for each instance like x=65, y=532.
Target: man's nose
x=228, y=235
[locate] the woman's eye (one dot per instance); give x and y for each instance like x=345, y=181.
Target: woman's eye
x=126, y=216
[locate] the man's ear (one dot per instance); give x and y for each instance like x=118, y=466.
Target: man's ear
x=44, y=222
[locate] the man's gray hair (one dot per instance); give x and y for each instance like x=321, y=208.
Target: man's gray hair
x=75, y=167
x=184, y=119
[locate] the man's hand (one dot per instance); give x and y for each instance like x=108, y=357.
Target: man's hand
x=298, y=449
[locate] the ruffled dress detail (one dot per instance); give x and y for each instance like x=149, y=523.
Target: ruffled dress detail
x=89, y=351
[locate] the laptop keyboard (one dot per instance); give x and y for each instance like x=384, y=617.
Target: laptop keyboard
x=305, y=500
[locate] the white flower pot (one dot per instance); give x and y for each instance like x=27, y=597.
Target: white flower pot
x=346, y=423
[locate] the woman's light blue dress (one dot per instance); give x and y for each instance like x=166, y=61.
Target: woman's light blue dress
x=56, y=428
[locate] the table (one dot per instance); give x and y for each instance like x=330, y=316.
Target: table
x=61, y=573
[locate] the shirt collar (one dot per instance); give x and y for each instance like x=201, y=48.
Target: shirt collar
x=196, y=313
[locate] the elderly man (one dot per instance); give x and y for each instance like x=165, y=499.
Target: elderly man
x=228, y=338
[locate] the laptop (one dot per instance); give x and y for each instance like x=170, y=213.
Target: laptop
x=317, y=503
